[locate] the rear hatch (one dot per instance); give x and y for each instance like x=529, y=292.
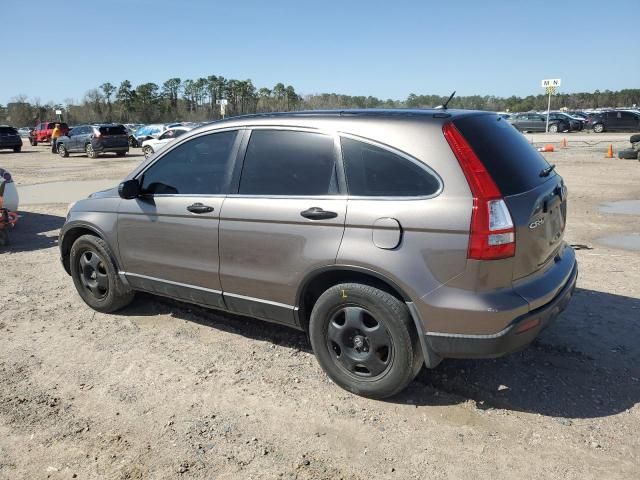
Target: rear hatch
x=535, y=194
x=113, y=136
x=9, y=136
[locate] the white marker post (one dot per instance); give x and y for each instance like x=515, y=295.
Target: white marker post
x=550, y=85
x=223, y=106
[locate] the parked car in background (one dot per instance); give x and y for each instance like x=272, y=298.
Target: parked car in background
x=535, y=122
x=149, y=147
x=10, y=139
x=575, y=124
x=393, y=238
x=43, y=130
x=147, y=132
x=94, y=140
x=25, y=132
x=613, y=121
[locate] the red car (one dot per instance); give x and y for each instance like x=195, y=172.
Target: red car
x=42, y=132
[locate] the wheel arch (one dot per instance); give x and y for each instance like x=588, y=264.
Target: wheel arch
x=319, y=280
x=70, y=235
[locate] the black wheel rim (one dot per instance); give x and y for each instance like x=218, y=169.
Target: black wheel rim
x=359, y=343
x=93, y=274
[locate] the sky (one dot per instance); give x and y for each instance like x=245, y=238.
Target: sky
x=386, y=49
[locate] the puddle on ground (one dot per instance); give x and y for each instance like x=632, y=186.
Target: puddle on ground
x=625, y=207
x=626, y=241
x=61, y=192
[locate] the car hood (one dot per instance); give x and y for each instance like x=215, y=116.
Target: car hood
x=108, y=193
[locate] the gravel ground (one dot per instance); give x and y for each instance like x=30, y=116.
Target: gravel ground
x=168, y=390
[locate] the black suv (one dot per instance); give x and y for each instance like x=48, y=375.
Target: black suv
x=10, y=138
x=535, y=122
x=614, y=121
x=94, y=140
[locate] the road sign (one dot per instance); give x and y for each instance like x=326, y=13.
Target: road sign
x=551, y=82
x=221, y=101
x=58, y=112
x=550, y=86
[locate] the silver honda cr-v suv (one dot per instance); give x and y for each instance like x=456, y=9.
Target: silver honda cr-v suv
x=394, y=238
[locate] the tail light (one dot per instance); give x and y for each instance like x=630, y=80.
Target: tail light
x=492, y=234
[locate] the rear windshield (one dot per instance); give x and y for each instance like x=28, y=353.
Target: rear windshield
x=62, y=125
x=8, y=131
x=113, y=130
x=511, y=161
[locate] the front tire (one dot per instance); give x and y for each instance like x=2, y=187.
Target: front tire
x=365, y=340
x=62, y=151
x=147, y=150
x=553, y=128
x=33, y=142
x=95, y=275
x=598, y=128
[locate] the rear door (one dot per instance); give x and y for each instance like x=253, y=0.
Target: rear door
x=536, y=196
x=168, y=237
x=285, y=220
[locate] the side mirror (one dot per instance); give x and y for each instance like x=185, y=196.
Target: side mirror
x=129, y=189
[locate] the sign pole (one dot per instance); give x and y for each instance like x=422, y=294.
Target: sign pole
x=548, y=110
x=550, y=85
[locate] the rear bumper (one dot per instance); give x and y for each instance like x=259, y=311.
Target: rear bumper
x=11, y=144
x=102, y=149
x=509, y=339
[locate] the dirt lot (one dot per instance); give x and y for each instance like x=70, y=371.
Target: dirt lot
x=166, y=390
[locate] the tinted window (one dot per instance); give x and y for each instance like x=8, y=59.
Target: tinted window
x=289, y=163
x=201, y=166
x=510, y=160
x=8, y=131
x=113, y=130
x=374, y=172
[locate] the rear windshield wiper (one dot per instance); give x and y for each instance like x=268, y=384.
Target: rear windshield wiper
x=545, y=172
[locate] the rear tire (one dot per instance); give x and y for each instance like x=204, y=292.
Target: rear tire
x=634, y=138
x=147, y=150
x=365, y=340
x=598, y=128
x=91, y=153
x=17, y=150
x=95, y=275
x=62, y=151
x=553, y=128
x=120, y=154
x=33, y=142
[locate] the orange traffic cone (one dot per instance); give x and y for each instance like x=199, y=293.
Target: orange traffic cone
x=610, y=151
x=563, y=144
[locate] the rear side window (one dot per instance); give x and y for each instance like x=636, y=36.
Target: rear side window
x=8, y=131
x=280, y=162
x=200, y=166
x=511, y=161
x=113, y=130
x=374, y=172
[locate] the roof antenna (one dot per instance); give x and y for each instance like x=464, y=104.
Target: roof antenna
x=444, y=107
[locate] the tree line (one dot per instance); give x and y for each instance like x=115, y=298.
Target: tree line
x=195, y=100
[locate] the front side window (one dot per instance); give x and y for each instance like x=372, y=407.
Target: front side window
x=292, y=163
x=200, y=166
x=375, y=172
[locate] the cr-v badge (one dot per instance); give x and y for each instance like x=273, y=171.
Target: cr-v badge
x=537, y=223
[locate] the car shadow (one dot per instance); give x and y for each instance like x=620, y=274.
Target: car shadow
x=34, y=231
x=585, y=365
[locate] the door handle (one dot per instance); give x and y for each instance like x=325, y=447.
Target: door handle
x=199, y=208
x=317, y=213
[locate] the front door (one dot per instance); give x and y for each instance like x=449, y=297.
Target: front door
x=286, y=220
x=168, y=238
